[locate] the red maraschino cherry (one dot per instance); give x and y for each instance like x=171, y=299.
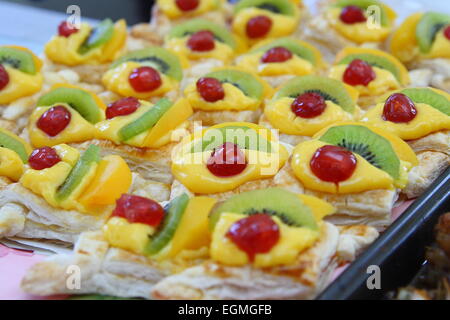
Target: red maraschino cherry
x=399, y=108
x=359, y=72
x=139, y=210
x=227, y=161
x=54, y=120
x=309, y=105
x=333, y=164
x=258, y=27
x=255, y=234
x=122, y=107
x=210, y=89
x=4, y=77
x=352, y=15
x=187, y=5
x=447, y=32
x=145, y=79
x=202, y=41
x=43, y=158
x=65, y=29
x=277, y=54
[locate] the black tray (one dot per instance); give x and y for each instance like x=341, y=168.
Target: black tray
x=399, y=252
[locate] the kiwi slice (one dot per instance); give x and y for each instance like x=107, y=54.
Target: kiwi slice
x=364, y=4
x=283, y=204
x=330, y=89
x=376, y=149
x=18, y=59
x=430, y=97
x=192, y=26
x=244, y=81
x=156, y=57
x=77, y=99
x=428, y=27
x=172, y=218
x=284, y=7
x=375, y=61
x=146, y=121
x=99, y=35
x=9, y=142
x=218, y=136
x=293, y=46
x=90, y=157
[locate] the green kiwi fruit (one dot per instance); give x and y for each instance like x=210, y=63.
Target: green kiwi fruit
x=293, y=46
x=192, y=26
x=244, y=81
x=376, y=149
x=18, y=59
x=365, y=4
x=243, y=138
x=375, y=61
x=156, y=57
x=329, y=89
x=77, y=99
x=146, y=121
x=428, y=27
x=284, y=7
x=283, y=204
x=9, y=142
x=172, y=218
x=89, y=158
x=99, y=36
x=430, y=97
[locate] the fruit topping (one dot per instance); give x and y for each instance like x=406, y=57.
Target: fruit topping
x=145, y=79
x=333, y=164
x=309, y=105
x=352, y=15
x=447, y=32
x=54, y=120
x=399, y=108
x=359, y=72
x=255, y=234
x=210, y=89
x=43, y=158
x=100, y=35
x=277, y=54
x=139, y=210
x=227, y=160
x=201, y=41
x=4, y=77
x=122, y=107
x=187, y=5
x=65, y=29
x=258, y=27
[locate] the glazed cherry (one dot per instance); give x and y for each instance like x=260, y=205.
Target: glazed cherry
x=4, y=77
x=122, y=107
x=187, y=5
x=333, y=164
x=139, y=210
x=352, y=15
x=359, y=72
x=447, y=32
x=277, y=54
x=227, y=161
x=201, y=41
x=308, y=105
x=255, y=234
x=258, y=27
x=210, y=89
x=145, y=79
x=399, y=108
x=43, y=158
x=65, y=29
x=54, y=120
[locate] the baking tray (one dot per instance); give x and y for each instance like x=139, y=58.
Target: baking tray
x=399, y=252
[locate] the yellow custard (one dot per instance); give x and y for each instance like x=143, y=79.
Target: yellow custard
x=20, y=85
x=11, y=165
x=440, y=47
x=170, y=8
x=117, y=80
x=221, y=50
x=65, y=50
x=190, y=167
